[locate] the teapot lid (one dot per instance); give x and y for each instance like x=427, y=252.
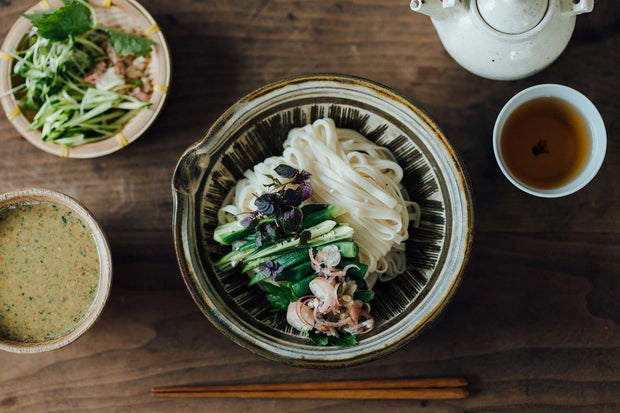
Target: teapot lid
x=512, y=16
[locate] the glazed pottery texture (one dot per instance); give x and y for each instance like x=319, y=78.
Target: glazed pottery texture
x=254, y=129
x=504, y=39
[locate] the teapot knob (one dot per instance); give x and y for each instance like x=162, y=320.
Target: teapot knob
x=512, y=16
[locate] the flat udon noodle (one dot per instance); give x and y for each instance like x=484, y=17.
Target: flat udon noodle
x=349, y=171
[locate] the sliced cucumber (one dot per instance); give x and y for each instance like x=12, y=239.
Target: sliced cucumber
x=230, y=260
x=316, y=231
x=232, y=231
x=292, y=258
x=329, y=212
x=314, y=214
x=290, y=274
x=302, y=287
x=364, y=295
x=340, y=233
x=259, y=276
x=252, y=265
x=310, y=208
x=251, y=244
x=348, y=249
x=296, y=264
x=296, y=273
x=359, y=272
x=360, y=282
x=286, y=260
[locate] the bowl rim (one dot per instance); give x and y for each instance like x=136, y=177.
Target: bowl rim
x=179, y=194
x=21, y=196
x=131, y=131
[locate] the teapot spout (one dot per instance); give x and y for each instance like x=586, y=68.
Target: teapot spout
x=436, y=9
x=571, y=8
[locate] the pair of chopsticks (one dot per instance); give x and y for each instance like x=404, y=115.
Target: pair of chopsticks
x=420, y=388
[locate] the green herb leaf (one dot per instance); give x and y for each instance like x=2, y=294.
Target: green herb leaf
x=285, y=171
x=317, y=338
x=292, y=197
x=305, y=190
x=292, y=220
x=343, y=340
x=249, y=219
x=268, y=203
x=278, y=302
x=275, y=182
x=280, y=295
x=59, y=24
x=128, y=44
x=266, y=270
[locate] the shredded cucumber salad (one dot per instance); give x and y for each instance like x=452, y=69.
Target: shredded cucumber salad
x=63, y=48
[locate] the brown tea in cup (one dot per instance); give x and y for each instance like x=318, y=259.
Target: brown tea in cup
x=545, y=142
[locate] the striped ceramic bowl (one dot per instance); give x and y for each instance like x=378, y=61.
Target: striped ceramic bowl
x=255, y=128
x=128, y=15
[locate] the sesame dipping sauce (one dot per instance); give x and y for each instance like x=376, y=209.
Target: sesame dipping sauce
x=49, y=271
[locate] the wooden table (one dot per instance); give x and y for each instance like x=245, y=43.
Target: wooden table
x=535, y=324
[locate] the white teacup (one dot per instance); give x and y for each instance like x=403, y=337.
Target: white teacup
x=598, y=137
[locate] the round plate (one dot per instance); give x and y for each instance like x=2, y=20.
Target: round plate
x=127, y=15
x=254, y=129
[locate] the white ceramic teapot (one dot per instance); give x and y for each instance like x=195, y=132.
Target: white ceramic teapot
x=504, y=39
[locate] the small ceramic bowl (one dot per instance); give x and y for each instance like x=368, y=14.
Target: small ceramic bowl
x=35, y=195
x=125, y=14
x=254, y=129
x=598, y=137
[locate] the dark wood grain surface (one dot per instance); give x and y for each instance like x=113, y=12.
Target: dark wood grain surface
x=535, y=326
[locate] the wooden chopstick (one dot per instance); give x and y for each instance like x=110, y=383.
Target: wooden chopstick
x=422, y=388
x=366, y=394
x=333, y=385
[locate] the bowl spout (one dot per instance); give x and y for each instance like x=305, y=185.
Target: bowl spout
x=189, y=170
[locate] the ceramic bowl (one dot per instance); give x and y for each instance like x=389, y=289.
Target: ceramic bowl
x=253, y=129
x=128, y=15
x=35, y=195
x=591, y=115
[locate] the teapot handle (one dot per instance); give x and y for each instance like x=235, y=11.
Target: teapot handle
x=572, y=8
x=436, y=9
